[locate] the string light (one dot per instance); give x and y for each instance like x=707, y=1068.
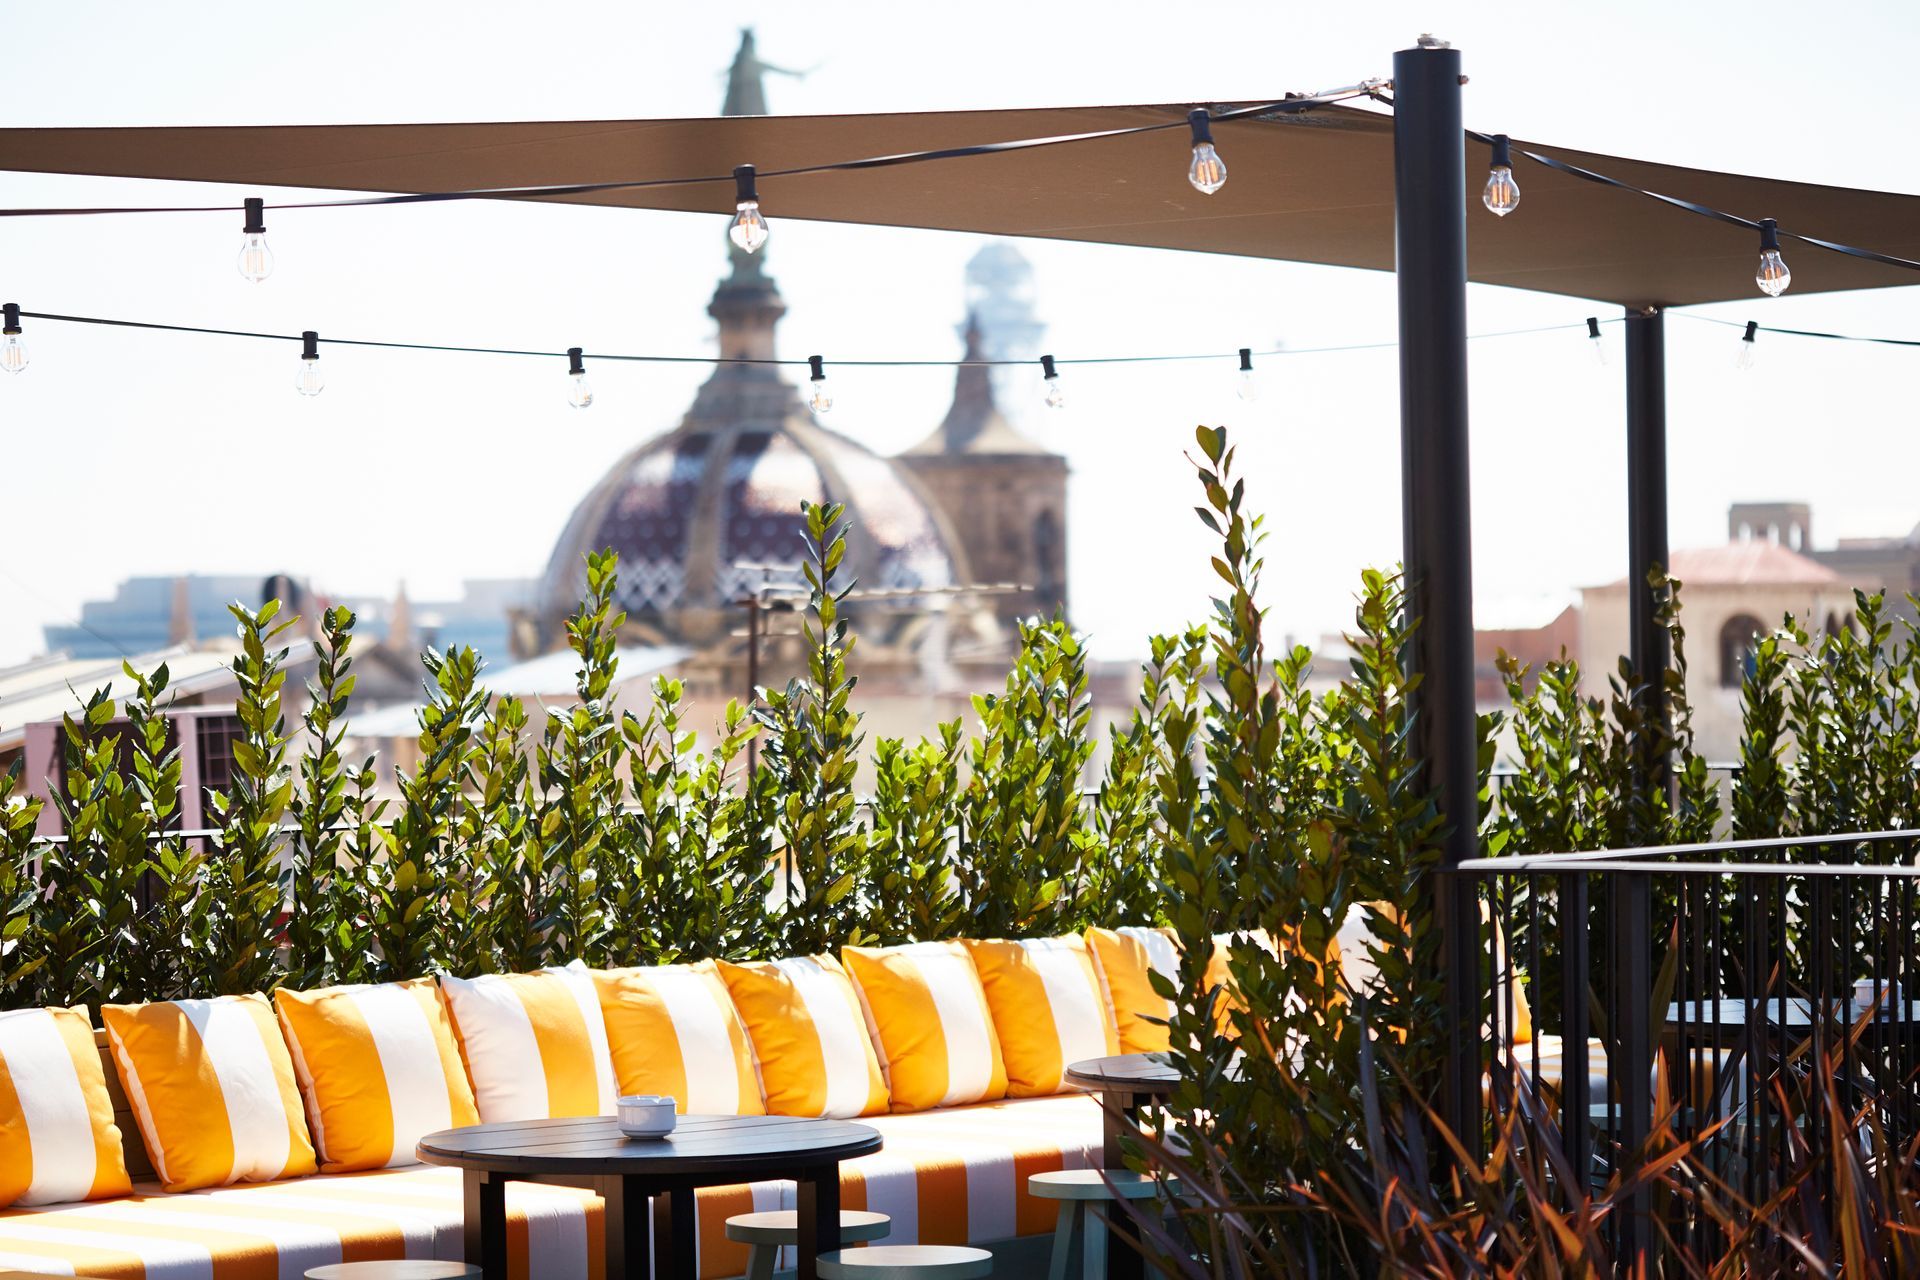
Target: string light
x=1745, y=359
x=256, y=260
x=1208, y=172
x=1056, y=398
x=749, y=229
x=822, y=398
x=1773, y=276
x=1599, y=347
x=310, y=381
x=579, y=394
x=13, y=352
x=1249, y=388
x=1502, y=195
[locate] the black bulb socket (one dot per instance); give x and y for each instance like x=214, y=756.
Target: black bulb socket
x=1502, y=152
x=575, y=364
x=1753, y=327
x=1246, y=359
x=819, y=368
x=1046, y=367
x=1769, y=235
x=256, y=216
x=1202, y=125
x=743, y=189
x=10, y=319
x=1593, y=327
x=309, y=344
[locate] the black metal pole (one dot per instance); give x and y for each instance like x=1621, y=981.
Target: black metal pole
x=1648, y=645
x=1430, y=262
x=1650, y=651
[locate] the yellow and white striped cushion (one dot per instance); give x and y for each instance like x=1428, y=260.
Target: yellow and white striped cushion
x=58, y=1140
x=535, y=1044
x=378, y=1068
x=809, y=1037
x=673, y=1031
x=1127, y=959
x=1048, y=1008
x=930, y=1025
x=213, y=1089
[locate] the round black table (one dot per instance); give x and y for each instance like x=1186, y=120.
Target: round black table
x=633, y=1174
x=1124, y=1082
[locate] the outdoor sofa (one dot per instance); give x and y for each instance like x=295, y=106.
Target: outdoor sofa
x=250, y=1138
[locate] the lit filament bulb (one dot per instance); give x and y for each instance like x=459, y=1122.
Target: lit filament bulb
x=1773, y=276
x=1502, y=195
x=749, y=229
x=1208, y=172
x=13, y=352
x=579, y=394
x=309, y=381
x=1744, y=360
x=1056, y=398
x=821, y=400
x=256, y=260
x=1249, y=388
x=1593, y=336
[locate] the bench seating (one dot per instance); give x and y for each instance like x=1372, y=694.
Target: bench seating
x=952, y=1176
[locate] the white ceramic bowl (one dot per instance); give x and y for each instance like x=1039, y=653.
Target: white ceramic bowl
x=644, y=1115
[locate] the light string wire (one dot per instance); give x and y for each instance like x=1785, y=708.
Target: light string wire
x=1694, y=207
x=1805, y=333
x=1286, y=106
x=157, y=326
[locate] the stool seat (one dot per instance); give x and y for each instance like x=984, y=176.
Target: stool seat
x=1096, y=1184
x=782, y=1226
x=395, y=1269
x=907, y=1262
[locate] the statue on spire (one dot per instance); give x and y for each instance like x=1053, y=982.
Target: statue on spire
x=746, y=91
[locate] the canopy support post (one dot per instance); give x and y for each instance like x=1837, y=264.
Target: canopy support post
x=1430, y=264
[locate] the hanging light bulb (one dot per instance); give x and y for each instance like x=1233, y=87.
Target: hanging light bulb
x=1249, y=388
x=256, y=260
x=1744, y=360
x=749, y=229
x=13, y=352
x=309, y=381
x=822, y=398
x=1056, y=398
x=1502, y=195
x=1208, y=172
x=1593, y=336
x=579, y=394
x=1773, y=276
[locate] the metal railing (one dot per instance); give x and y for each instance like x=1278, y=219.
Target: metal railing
x=1752, y=999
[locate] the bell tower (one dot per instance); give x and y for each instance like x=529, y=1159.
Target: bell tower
x=1004, y=496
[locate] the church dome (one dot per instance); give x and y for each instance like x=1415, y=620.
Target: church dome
x=694, y=513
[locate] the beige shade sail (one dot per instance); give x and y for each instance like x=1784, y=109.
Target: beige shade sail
x=1313, y=186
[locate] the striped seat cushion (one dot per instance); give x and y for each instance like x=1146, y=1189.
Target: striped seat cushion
x=946, y=1177
x=1048, y=1007
x=58, y=1140
x=673, y=1030
x=212, y=1088
x=1127, y=959
x=809, y=1037
x=930, y=1025
x=534, y=1044
x=378, y=1068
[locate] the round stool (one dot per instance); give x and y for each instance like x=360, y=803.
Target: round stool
x=395, y=1269
x=907, y=1262
x=1075, y=1189
x=764, y=1233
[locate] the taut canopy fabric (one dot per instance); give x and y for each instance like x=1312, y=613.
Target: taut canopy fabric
x=1314, y=186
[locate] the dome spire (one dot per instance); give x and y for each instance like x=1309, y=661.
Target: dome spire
x=747, y=304
x=974, y=423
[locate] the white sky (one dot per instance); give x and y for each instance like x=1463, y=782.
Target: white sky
x=131, y=453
